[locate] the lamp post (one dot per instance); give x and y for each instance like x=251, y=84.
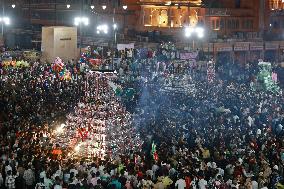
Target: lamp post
x=124, y=14
x=194, y=31
x=4, y=21
x=103, y=29
x=114, y=43
x=81, y=21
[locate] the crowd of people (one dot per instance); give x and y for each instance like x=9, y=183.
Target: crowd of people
x=208, y=135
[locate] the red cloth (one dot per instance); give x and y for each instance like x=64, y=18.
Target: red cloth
x=140, y=175
x=187, y=182
x=56, y=152
x=95, y=61
x=238, y=171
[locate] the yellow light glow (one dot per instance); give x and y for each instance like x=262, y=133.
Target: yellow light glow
x=77, y=148
x=60, y=128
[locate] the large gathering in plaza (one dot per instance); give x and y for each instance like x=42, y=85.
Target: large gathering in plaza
x=142, y=94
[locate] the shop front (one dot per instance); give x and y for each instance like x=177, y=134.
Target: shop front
x=256, y=52
x=271, y=52
x=241, y=51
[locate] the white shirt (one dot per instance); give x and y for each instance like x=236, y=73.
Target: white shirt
x=264, y=187
x=149, y=173
x=250, y=120
x=129, y=53
x=254, y=184
x=1, y=180
x=74, y=171
x=180, y=183
x=57, y=187
x=202, y=184
x=8, y=168
x=155, y=168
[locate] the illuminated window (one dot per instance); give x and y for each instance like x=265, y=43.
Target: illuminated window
x=213, y=24
x=217, y=24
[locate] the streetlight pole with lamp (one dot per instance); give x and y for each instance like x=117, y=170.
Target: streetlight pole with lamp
x=80, y=21
x=114, y=44
x=124, y=14
x=4, y=21
x=191, y=31
x=103, y=29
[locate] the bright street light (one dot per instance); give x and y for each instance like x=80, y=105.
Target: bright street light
x=81, y=20
x=199, y=31
x=114, y=26
x=68, y=6
x=60, y=128
x=189, y=31
x=104, y=7
x=77, y=148
x=5, y=20
x=124, y=7
x=102, y=29
x=92, y=6
x=13, y=6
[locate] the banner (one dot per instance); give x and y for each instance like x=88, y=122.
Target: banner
x=188, y=55
x=125, y=46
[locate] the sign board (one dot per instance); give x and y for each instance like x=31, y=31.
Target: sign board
x=271, y=46
x=224, y=49
x=256, y=46
x=125, y=46
x=217, y=12
x=66, y=39
x=241, y=47
x=188, y=55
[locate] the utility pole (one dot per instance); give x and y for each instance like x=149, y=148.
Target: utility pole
x=55, y=13
x=262, y=12
x=3, y=14
x=80, y=28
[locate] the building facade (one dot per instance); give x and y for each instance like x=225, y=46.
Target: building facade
x=223, y=18
x=274, y=19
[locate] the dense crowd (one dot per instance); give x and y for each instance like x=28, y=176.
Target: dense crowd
x=210, y=135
